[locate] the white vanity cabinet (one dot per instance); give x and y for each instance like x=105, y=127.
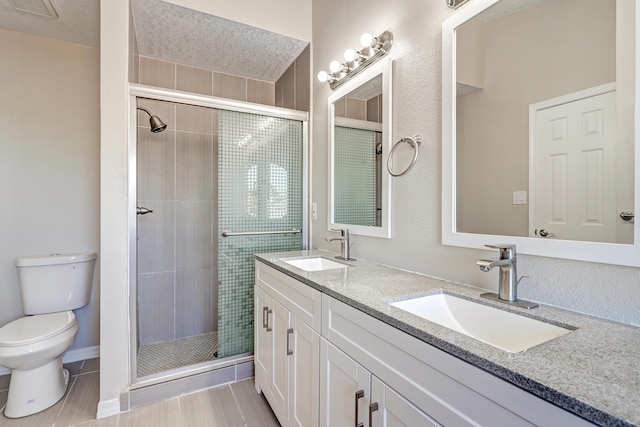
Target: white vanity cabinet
x=287, y=346
x=345, y=360
x=351, y=395
x=412, y=372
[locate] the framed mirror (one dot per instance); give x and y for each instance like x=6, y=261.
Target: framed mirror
x=359, y=144
x=541, y=128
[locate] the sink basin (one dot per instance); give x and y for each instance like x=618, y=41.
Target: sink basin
x=315, y=264
x=502, y=329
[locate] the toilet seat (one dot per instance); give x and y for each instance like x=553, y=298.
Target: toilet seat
x=31, y=329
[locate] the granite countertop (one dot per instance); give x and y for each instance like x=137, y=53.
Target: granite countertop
x=593, y=372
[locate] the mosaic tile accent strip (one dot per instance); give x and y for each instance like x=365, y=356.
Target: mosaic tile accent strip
x=355, y=180
x=259, y=189
x=167, y=355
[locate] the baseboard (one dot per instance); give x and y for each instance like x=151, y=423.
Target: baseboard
x=108, y=408
x=81, y=354
x=70, y=356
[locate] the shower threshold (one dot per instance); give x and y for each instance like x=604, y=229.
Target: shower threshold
x=167, y=355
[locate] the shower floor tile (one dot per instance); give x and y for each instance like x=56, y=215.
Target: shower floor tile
x=167, y=355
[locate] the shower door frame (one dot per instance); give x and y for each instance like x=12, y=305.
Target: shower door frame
x=159, y=94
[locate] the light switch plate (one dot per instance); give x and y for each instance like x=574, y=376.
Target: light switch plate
x=314, y=211
x=519, y=197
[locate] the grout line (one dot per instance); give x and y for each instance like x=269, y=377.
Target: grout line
x=235, y=399
x=72, y=382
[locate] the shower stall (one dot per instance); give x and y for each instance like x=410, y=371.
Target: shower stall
x=222, y=181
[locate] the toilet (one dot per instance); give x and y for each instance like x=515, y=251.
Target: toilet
x=51, y=287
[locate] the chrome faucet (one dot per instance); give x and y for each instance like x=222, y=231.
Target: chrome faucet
x=508, y=279
x=345, y=245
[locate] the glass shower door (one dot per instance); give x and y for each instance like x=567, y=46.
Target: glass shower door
x=260, y=207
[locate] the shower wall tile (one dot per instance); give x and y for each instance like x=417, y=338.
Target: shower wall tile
x=156, y=165
x=193, y=302
x=169, y=75
x=196, y=80
x=340, y=108
x=154, y=72
x=374, y=109
x=244, y=371
x=356, y=109
x=193, y=235
x=156, y=237
x=155, y=307
x=260, y=92
x=194, y=157
x=194, y=119
x=302, y=80
x=287, y=86
x=228, y=86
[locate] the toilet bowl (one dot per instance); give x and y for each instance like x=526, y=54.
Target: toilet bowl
x=32, y=347
x=51, y=286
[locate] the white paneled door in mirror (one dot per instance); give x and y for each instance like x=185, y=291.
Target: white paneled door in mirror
x=554, y=189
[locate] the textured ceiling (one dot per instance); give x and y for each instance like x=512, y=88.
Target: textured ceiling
x=169, y=32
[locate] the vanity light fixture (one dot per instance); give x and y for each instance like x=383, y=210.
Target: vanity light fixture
x=373, y=48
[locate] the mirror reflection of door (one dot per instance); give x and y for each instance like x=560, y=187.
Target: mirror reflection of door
x=573, y=147
x=513, y=55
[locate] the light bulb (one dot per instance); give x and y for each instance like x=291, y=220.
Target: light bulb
x=323, y=76
x=335, y=66
x=350, y=55
x=366, y=39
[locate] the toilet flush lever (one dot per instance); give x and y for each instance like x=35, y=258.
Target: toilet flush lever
x=143, y=211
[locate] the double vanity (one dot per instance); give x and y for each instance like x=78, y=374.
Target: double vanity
x=357, y=343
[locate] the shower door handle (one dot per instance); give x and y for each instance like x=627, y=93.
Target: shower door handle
x=141, y=210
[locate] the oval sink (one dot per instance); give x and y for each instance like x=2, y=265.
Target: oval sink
x=502, y=329
x=315, y=264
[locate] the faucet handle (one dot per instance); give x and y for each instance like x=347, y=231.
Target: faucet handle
x=342, y=231
x=507, y=250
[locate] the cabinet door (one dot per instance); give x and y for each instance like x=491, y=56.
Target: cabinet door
x=389, y=409
x=304, y=375
x=344, y=389
x=279, y=380
x=263, y=341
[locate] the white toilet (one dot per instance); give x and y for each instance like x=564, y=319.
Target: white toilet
x=32, y=346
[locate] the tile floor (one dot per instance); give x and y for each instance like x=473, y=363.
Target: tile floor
x=230, y=405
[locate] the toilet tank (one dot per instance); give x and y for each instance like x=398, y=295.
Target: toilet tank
x=56, y=282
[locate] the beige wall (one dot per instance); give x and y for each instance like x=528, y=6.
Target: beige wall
x=539, y=53
x=49, y=162
x=416, y=223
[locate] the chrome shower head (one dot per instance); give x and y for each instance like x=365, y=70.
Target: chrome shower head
x=157, y=125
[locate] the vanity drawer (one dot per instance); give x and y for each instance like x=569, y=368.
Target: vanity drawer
x=451, y=391
x=300, y=299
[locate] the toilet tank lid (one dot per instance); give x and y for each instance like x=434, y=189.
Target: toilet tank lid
x=51, y=259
